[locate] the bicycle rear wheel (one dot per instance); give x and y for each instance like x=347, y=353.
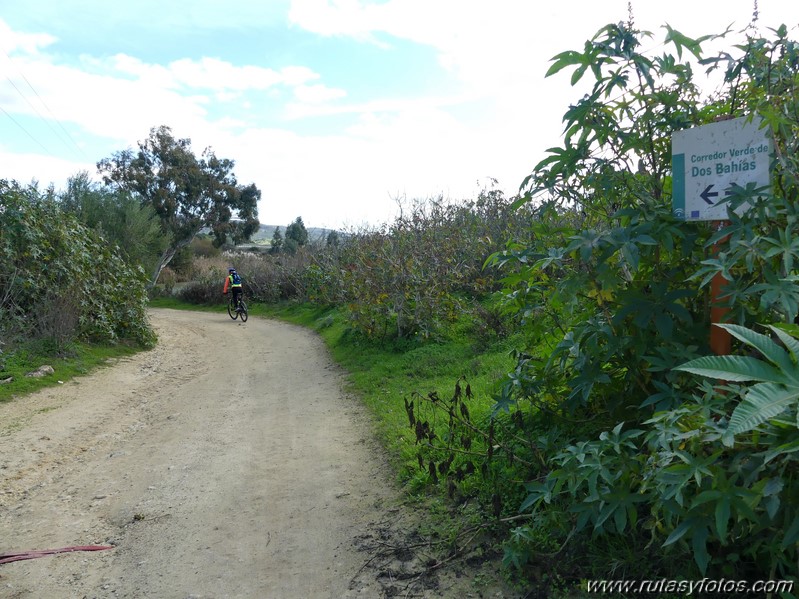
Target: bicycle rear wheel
x=243, y=312
x=231, y=310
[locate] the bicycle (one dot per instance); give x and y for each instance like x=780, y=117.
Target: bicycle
x=235, y=311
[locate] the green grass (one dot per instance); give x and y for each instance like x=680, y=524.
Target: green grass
x=70, y=361
x=176, y=304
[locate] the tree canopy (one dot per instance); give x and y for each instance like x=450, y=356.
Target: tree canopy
x=277, y=242
x=187, y=193
x=296, y=235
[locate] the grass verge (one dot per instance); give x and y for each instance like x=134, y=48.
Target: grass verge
x=68, y=361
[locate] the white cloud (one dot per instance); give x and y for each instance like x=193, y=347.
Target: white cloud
x=205, y=73
x=317, y=94
x=495, y=123
x=43, y=169
x=507, y=41
x=298, y=75
x=218, y=74
x=340, y=17
x=121, y=97
x=357, y=176
x=382, y=105
x=132, y=69
x=481, y=42
x=27, y=43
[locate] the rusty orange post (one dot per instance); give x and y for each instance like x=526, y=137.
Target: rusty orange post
x=720, y=339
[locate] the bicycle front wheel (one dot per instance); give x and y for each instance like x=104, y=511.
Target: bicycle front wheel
x=231, y=310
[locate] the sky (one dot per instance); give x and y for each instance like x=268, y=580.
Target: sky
x=340, y=111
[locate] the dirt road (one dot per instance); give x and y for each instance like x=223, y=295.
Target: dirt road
x=226, y=462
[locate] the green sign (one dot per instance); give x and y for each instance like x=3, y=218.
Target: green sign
x=708, y=162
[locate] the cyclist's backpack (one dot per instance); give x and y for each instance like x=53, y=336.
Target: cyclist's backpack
x=236, y=278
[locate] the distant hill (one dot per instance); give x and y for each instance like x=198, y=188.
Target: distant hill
x=265, y=233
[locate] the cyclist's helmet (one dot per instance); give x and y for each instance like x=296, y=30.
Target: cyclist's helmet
x=231, y=269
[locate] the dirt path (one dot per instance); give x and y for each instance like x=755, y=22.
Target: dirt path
x=226, y=462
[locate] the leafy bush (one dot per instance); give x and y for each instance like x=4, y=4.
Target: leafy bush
x=204, y=292
x=62, y=280
x=403, y=280
x=415, y=275
x=204, y=246
x=606, y=293
x=266, y=278
x=118, y=217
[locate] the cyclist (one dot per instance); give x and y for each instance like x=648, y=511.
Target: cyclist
x=233, y=282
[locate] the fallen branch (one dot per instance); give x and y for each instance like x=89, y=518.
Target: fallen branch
x=6, y=558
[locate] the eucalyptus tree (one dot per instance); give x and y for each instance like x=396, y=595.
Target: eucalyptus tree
x=188, y=193
x=277, y=242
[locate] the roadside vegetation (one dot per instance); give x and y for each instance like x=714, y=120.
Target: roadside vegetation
x=73, y=263
x=60, y=285
x=540, y=364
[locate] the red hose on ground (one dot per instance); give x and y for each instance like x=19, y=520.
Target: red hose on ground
x=6, y=558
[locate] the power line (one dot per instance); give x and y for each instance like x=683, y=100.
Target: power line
x=26, y=131
x=55, y=118
x=36, y=110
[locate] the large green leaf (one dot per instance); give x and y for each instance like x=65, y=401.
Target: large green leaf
x=761, y=403
x=784, y=332
x=765, y=345
x=565, y=59
x=733, y=368
x=699, y=545
x=722, y=514
x=778, y=386
x=791, y=447
x=680, y=41
x=678, y=532
x=791, y=535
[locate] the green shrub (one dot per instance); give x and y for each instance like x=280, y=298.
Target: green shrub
x=266, y=278
x=61, y=280
x=707, y=475
x=414, y=276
